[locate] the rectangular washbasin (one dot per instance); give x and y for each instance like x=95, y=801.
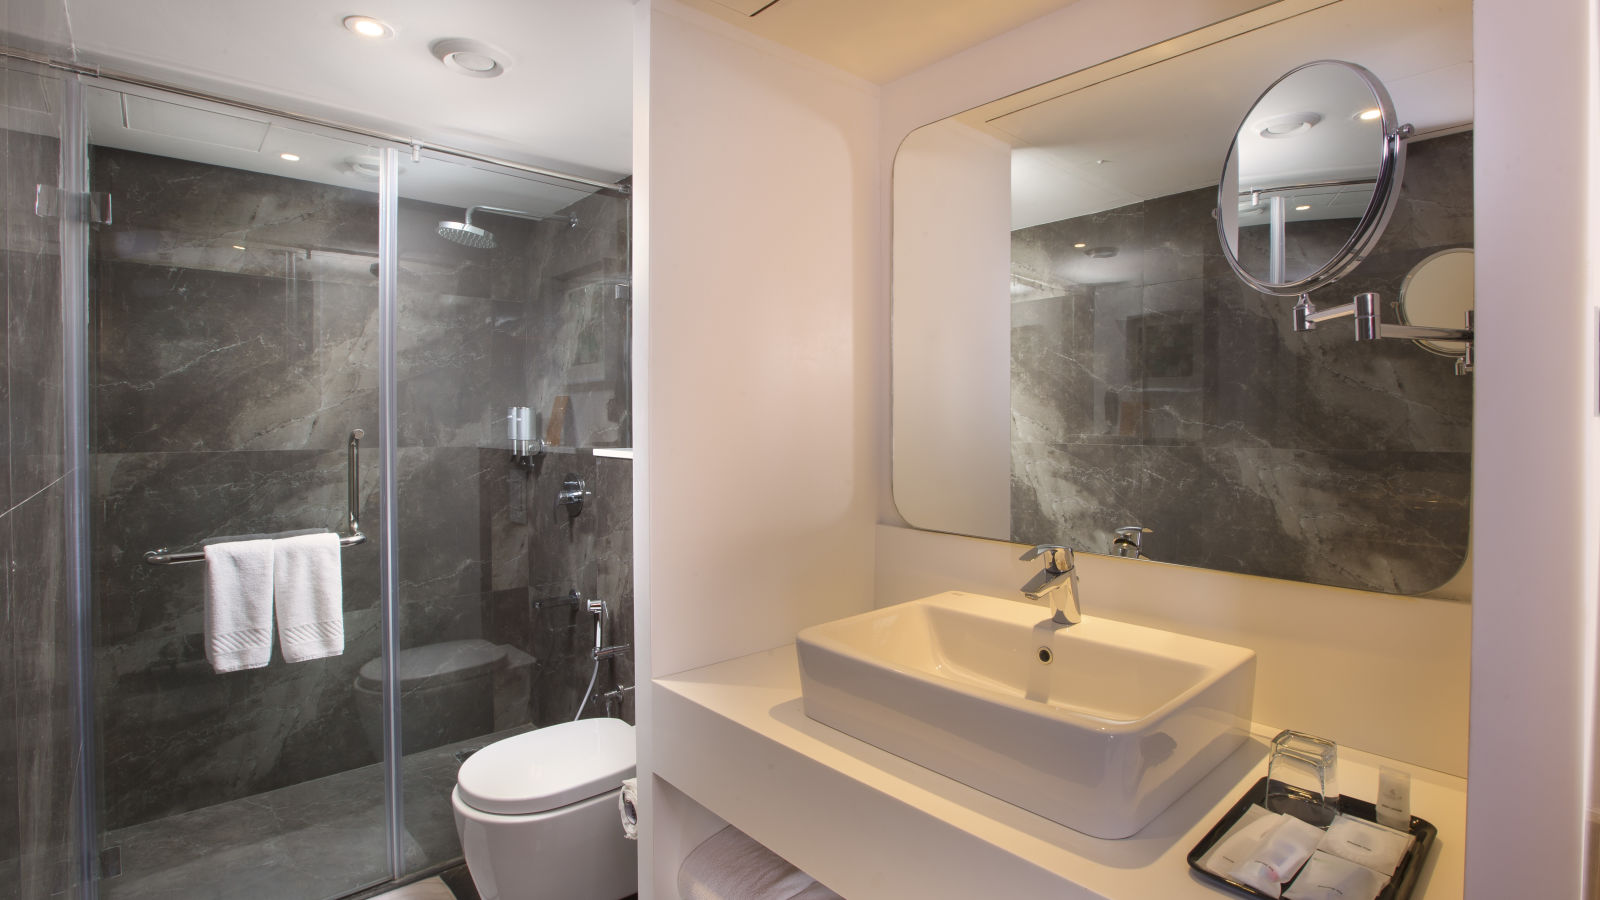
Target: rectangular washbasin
x=1098, y=726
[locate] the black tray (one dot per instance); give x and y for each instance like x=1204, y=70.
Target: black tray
x=1400, y=885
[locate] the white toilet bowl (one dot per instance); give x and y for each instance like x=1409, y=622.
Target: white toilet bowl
x=537, y=814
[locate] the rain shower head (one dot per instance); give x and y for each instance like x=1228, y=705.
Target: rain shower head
x=467, y=235
x=470, y=235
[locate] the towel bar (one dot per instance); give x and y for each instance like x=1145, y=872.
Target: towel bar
x=164, y=557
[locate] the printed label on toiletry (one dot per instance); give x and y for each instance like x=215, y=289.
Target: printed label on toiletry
x=1394, y=798
x=1367, y=843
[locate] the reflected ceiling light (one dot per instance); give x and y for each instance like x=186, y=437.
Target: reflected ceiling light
x=1079, y=245
x=238, y=246
x=471, y=58
x=1302, y=207
x=289, y=157
x=368, y=27
x=1367, y=115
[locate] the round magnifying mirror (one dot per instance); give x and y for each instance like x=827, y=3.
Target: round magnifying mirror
x=1311, y=178
x=1438, y=292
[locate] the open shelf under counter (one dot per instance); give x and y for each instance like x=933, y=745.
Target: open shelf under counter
x=872, y=826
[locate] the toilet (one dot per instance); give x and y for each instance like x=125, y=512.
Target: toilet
x=537, y=814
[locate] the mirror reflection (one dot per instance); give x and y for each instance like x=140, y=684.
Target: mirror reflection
x=1299, y=190
x=1074, y=354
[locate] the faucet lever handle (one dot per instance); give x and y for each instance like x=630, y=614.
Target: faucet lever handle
x=1058, y=559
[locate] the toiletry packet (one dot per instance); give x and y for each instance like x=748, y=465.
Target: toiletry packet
x=1241, y=841
x=1367, y=843
x=1286, y=848
x=1328, y=877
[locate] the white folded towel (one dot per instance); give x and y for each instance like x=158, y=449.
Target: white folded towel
x=309, y=595
x=729, y=865
x=239, y=605
x=628, y=807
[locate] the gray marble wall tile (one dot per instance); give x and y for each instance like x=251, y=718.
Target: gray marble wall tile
x=579, y=326
x=11, y=736
x=33, y=319
x=1157, y=388
x=39, y=749
x=1387, y=520
x=42, y=641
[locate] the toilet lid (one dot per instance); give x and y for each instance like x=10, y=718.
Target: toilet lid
x=436, y=664
x=549, y=767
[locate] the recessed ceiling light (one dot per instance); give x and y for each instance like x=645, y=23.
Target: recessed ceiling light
x=1367, y=115
x=472, y=58
x=1302, y=207
x=1079, y=245
x=368, y=27
x=289, y=157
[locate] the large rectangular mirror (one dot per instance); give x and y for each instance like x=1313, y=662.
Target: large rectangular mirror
x=1073, y=355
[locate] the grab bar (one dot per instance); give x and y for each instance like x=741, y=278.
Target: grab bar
x=163, y=557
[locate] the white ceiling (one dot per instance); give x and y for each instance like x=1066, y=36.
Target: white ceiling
x=565, y=100
x=1159, y=122
x=879, y=40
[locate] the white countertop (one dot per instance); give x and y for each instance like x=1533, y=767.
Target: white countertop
x=734, y=737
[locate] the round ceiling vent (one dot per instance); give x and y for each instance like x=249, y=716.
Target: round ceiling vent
x=470, y=57
x=1288, y=125
x=367, y=167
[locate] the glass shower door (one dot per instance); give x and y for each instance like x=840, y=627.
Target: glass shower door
x=233, y=307
x=512, y=293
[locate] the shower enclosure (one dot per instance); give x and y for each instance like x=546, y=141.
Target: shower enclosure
x=273, y=333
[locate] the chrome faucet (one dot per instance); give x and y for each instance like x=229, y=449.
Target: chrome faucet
x=1129, y=542
x=1058, y=583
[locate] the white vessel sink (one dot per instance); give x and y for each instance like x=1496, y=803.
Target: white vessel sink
x=1117, y=724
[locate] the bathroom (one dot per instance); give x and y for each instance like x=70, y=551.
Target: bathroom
x=763, y=504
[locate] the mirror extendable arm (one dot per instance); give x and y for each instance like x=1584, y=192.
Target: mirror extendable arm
x=1370, y=325
x=1308, y=317
x=1367, y=310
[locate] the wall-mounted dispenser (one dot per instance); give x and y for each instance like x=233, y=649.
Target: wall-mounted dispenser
x=519, y=430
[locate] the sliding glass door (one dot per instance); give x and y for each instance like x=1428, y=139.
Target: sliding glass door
x=233, y=310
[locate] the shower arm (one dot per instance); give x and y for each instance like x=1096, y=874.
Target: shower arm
x=571, y=219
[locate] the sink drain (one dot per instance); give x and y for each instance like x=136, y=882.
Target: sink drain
x=1045, y=655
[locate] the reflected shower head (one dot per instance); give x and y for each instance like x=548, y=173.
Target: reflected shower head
x=467, y=235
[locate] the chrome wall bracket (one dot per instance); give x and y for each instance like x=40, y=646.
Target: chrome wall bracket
x=1366, y=309
x=94, y=207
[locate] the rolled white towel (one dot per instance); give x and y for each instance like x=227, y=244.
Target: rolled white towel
x=238, y=605
x=730, y=865
x=628, y=807
x=309, y=595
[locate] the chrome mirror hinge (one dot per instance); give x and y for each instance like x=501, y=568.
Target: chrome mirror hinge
x=93, y=207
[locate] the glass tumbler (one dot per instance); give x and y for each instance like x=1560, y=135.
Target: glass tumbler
x=1302, y=778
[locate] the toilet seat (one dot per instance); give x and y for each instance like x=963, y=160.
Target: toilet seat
x=549, y=767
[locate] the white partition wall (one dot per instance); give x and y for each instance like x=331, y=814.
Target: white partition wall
x=759, y=263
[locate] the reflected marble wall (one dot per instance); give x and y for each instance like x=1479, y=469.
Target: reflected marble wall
x=39, y=747
x=1153, y=387
x=225, y=383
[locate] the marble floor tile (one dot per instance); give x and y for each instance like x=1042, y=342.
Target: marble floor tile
x=316, y=840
